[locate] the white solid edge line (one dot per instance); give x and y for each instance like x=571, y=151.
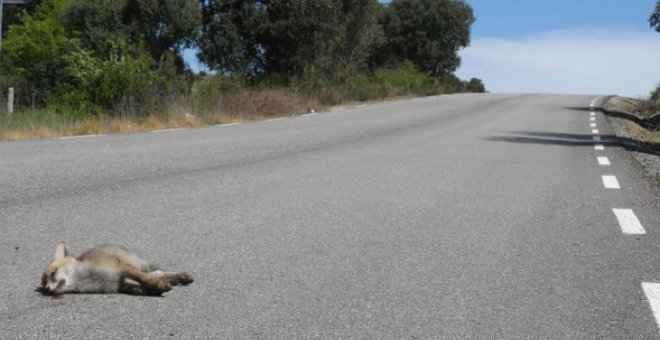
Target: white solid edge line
x=79, y=137
x=610, y=182
x=652, y=292
x=629, y=222
x=167, y=130
x=599, y=147
x=603, y=160
x=227, y=124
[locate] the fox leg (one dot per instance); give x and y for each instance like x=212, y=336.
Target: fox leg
x=144, y=284
x=174, y=278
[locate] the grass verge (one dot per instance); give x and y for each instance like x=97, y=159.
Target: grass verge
x=218, y=99
x=184, y=112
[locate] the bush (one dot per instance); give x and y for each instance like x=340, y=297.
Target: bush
x=117, y=85
x=655, y=95
x=400, y=80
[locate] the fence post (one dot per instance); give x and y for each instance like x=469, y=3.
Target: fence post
x=10, y=101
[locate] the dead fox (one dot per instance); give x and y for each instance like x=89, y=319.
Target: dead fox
x=107, y=269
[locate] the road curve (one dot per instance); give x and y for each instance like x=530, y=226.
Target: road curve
x=451, y=217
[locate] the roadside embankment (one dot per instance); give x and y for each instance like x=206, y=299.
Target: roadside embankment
x=639, y=132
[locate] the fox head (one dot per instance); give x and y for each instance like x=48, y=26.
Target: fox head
x=56, y=278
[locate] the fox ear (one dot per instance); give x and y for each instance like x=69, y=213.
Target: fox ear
x=61, y=251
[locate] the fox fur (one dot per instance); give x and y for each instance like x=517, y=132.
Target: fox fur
x=107, y=269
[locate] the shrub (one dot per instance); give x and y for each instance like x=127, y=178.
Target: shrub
x=229, y=96
x=117, y=85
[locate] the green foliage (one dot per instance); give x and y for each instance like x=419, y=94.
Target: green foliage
x=164, y=25
x=654, y=20
x=94, y=84
x=655, y=94
x=320, y=37
x=228, y=39
x=116, y=57
x=402, y=80
x=94, y=56
x=427, y=32
x=311, y=38
x=98, y=24
x=32, y=49
x=406, y=79
x=160, y=26
x=475, y=85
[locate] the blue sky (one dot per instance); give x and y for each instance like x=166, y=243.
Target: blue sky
x=560, y=46
x=564, y=46
x=520, y=18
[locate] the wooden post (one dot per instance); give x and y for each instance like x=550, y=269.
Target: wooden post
x=10, y=101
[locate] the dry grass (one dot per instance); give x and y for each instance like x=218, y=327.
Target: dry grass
x=647, y=134
x=98, y=126
x=41, y=132
x=236, y=106
x=254, y=104
x=643, y=135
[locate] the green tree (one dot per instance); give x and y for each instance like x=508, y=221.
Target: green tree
x=164, y=25
x=319, y=37
x=33, y=50
x=427, y=32
x=97, y=23
x=475, y=85
x=11, y=13
x=654, y=20
x=228, y=40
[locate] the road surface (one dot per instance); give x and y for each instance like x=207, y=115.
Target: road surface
x=451, y=217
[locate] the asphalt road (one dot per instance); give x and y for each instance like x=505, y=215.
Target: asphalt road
x=453, y=217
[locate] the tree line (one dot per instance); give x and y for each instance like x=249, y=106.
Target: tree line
x=125, y=55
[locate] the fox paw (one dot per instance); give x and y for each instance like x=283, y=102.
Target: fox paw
x=184, y=279
x=163, y=286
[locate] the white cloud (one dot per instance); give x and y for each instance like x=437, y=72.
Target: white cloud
x=579, y=61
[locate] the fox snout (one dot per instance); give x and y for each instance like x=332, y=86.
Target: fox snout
x=53, y=288
x=51, y=284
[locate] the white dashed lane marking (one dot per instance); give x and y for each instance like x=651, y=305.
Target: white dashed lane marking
x=599, y=147
x=610, y=182
x=652, y=291
x=597, y=138
x=593, y=125
x=603, y=160
x=629, y=222
x=594, y=131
